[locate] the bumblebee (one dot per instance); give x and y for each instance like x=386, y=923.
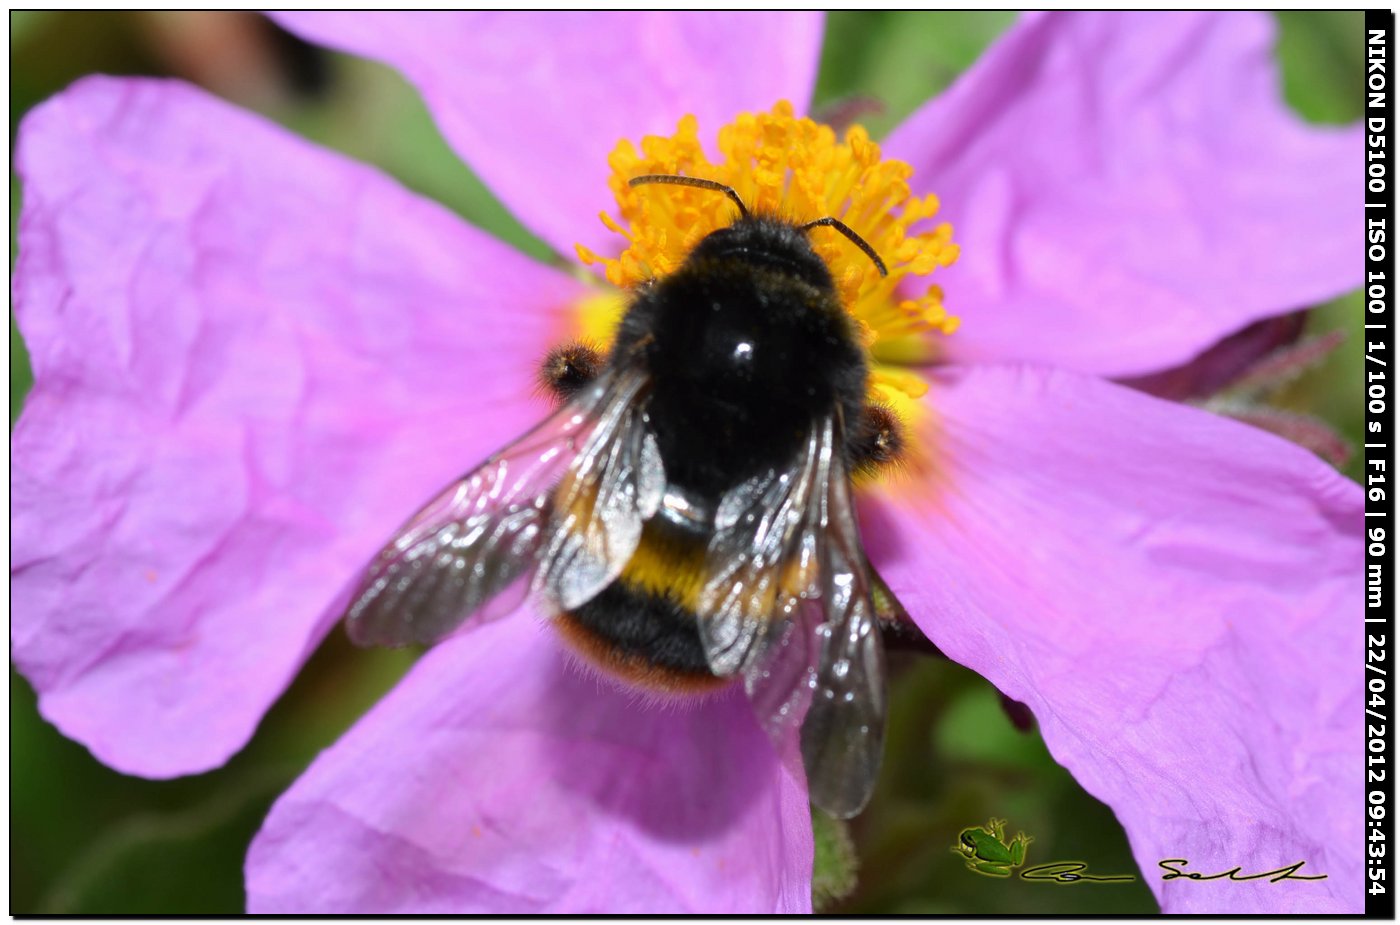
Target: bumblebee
x=686, y=513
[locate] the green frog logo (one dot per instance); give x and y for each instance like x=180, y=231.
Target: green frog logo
x=988, y=852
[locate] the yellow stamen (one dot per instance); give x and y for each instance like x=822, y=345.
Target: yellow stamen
x=888, y=377
x=792, y=167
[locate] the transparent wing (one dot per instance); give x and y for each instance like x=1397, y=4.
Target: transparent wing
x=787, y=601
x=843, y=733
x=484, y=533
x=613, y=488
x=760, y=561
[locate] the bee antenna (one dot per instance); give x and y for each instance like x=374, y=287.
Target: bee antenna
x=855, y=239
x=695, y=182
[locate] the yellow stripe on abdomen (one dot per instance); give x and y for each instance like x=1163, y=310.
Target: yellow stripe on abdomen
x=667, y=563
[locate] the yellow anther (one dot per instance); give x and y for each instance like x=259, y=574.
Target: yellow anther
x=910, y=384
x=793, y=167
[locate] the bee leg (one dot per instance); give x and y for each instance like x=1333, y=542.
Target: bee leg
x=877, y=441
x=569, y=368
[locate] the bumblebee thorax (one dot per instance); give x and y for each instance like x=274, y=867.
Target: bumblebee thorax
x=746, y=344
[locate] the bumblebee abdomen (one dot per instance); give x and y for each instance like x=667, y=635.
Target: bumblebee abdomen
x=644, y=639
x=642, y=628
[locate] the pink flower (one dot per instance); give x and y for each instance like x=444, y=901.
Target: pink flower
x=253, y=358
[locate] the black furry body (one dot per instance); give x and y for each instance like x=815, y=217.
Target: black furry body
x=746, y=345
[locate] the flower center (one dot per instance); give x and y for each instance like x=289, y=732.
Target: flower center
x=780, y=164
x=783, y=165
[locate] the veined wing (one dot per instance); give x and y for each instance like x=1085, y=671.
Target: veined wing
x=843, y=733
x=486, y=532
x=615, y=485
x=787, y=601
x=760, y=561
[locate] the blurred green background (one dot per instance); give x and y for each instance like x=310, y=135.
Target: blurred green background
x=85, y=839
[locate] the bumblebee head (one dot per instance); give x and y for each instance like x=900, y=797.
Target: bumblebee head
x=765, y=244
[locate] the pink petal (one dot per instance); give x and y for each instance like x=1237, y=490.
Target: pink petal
x=499, y=776
x=1177, y=597
x=1129, y=189
x=535, y=102
x=252, y=360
